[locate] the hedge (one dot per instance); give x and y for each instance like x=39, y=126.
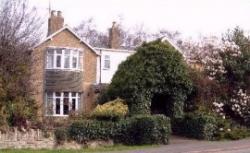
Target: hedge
x=135, y=130
x=195, y=126
x=156, y=68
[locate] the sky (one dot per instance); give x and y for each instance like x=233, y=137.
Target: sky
x=192, y=18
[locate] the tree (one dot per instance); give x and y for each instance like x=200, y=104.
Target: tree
x=154, y=79
x=231, y=69
x=19, y=31
x=88, y=32
x=130, y=37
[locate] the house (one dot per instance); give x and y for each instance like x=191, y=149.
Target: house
x=65, y=69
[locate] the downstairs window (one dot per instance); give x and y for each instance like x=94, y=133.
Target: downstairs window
x=61, y=103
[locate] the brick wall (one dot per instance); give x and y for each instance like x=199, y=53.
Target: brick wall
x=64, y=39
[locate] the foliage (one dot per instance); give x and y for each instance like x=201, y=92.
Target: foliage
x=227, y=129
x=115, y=109
x=136, y=130
x=61, y=135
x=204, y=93
x=230, y=68
x=193, y=125
x=149, y=130
x=156, y=68
x=19, y=31
x=82, y=131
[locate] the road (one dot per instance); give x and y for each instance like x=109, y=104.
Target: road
x=181, y=145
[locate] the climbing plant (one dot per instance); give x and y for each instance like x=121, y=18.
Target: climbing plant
x=156, y=69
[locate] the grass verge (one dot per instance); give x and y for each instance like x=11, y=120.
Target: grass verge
x=102, y=149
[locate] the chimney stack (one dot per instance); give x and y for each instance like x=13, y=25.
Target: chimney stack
x=114, y=36
x=55, y=22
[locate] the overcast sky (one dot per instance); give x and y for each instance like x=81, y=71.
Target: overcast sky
x=191, y=17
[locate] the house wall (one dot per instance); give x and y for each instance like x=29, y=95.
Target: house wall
x=64, y=39
x=116, y=57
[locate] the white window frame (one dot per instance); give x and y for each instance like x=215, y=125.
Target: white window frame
x=61, y=97
x=106, y=59
x=78, y=55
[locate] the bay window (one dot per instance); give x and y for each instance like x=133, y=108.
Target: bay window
x=64, y=58
x=61, y=103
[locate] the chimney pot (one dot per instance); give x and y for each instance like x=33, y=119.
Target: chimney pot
x=59, y=13
x=52, y=13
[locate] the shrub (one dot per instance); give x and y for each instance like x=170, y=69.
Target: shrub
x=61, y=135
x=151, y=129
x=113, y=110
x=82, y=131
x=198, y=126
x=155, y=68
x=136, y=130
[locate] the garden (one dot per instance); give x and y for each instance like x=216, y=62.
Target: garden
x=156, y=93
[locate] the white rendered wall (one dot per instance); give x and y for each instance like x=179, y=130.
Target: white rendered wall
x=116, y=57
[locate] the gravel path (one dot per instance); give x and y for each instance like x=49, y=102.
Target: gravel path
x=182, y=145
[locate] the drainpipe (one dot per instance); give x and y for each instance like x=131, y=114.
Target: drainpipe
x=100, y=75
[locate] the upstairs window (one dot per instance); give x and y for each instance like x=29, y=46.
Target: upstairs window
x=64, y=58
x=106, y=62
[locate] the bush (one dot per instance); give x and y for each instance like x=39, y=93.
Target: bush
x=198, y=126
x=151, y=129
x=156, y=68
x=61, y=135
x=136, y=130
x=112, y=110
x=86, y=130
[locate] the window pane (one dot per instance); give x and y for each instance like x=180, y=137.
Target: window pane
x=59, y=51
x=107, y=64
x=58, y=61
x=107, y=61
x=74, y=62
x=58, y=94
x=66, y=60
x=58, y=106
x=50, y=60
x=80, y=59
x=65, y=94
x=50, y=51
x=73, y=94
x=73, y=104
x=65, y=106
x=49, y=106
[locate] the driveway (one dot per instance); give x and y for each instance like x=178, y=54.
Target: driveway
x=182, y=145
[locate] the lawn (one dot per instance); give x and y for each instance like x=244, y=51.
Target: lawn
x=103, y=149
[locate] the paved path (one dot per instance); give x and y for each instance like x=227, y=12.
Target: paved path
x=180, y=145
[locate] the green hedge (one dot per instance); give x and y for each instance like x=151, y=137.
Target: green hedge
x=136, y=130
x=196, y=126
x=86, y=130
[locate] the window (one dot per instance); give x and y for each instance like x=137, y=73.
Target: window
x=64, y=58
x=106, y=62
x=67, y=59
x=61, y=103
x=50, y=59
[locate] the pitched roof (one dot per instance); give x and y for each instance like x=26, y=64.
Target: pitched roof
x=72, y=32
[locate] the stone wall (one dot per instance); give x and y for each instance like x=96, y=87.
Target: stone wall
x=34, y=139
x=37, y=139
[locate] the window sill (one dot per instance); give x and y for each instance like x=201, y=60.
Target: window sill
x=75, y=70
x=106, y=68
x=57, y=115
